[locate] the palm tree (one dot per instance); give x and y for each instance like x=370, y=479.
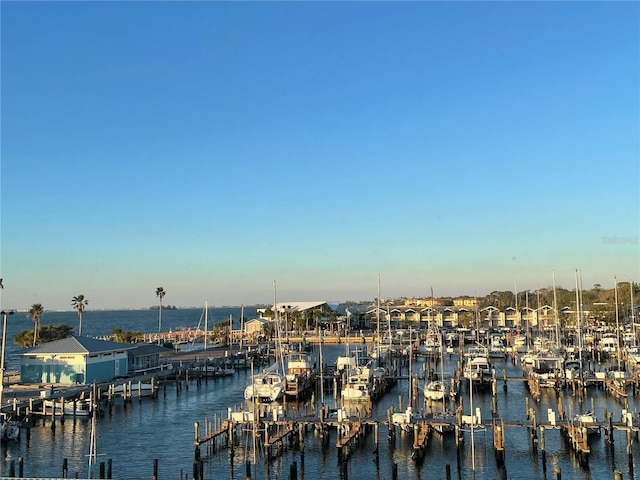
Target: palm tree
x=35, y=312
x=160, y=293
x=79, y=303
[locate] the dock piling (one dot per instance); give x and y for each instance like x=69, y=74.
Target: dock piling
x=543, y=450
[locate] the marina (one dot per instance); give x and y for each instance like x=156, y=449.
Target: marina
x=198, y=425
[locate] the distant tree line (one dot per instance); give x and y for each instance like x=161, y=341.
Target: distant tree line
x=48, y=333
x=164, y=307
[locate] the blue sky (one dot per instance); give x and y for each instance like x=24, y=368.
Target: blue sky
x=213, y=147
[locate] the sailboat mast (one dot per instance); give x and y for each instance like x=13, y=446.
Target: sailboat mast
x=515, y=296
x=538, y=308
x=255, y=416
x=321, y=369
x=206, y=326
x=633, y=313
x=615, y=289
x=526, y=310
x=410, y=397
x=473, y=453
x=279, y=353
x=444, y=409
x=579, y=318
x=241, y=325
x=430, y=310
x=93, y=454
x=378, y=314
x=555, y=308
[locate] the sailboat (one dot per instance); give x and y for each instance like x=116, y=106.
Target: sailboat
x=444, y=421
x=269, y=385
x=437, y=389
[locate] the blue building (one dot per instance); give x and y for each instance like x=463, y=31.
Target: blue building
x=75, y=360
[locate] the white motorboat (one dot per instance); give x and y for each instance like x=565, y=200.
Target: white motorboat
x=9, y=429
x=300, y=376
x=71, y=408
x=266, y=386
x=609, y=344
x=589, y=421
x=478, y=369
x=359, y=385
x=497, y=345
x=136, y=390
x=444, y=422
x=218, y=369
x=616, y=372
x=406, y=420
x=547, y=368
x=573, y=369
x=633, y=356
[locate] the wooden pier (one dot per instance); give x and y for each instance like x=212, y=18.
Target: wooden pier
x=421, y=434
x=498, y=441
x=350, y=430
x=576, y=436
x=349, y=434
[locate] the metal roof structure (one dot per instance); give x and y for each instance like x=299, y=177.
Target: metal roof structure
x=139, y=349
x=298, y=306
x=77, y=345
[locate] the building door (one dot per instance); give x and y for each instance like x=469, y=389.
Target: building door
x=117, y=369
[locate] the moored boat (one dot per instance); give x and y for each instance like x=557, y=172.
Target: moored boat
x=359, y=385
x=9, y=429
x=265, y=386
x=436, y=390
x=547, y=369
x=497, y=345
x=136, y=390
x=633, y=356
x=478, y=370
x=300, y=376
x=444, y=422
x=73, y=408
x=589, y=421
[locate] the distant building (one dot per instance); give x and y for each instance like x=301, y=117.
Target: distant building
x=465, y=302
x=254, y=327
x=429, y=302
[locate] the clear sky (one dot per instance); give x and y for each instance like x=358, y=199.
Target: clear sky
x=213, y=147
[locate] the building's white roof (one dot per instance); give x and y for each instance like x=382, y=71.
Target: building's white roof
x=298, y=306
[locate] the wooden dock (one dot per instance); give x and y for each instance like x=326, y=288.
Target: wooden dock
x=351, y=430
x=576, y=436
x=348, y=435
x=498, y=441
x=222, y=430
x=421, y=434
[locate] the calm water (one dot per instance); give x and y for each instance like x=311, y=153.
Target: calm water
x=163, y=429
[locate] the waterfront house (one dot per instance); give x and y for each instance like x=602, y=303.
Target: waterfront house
x=74, y=360
x=253, y=328
x=145, y=357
